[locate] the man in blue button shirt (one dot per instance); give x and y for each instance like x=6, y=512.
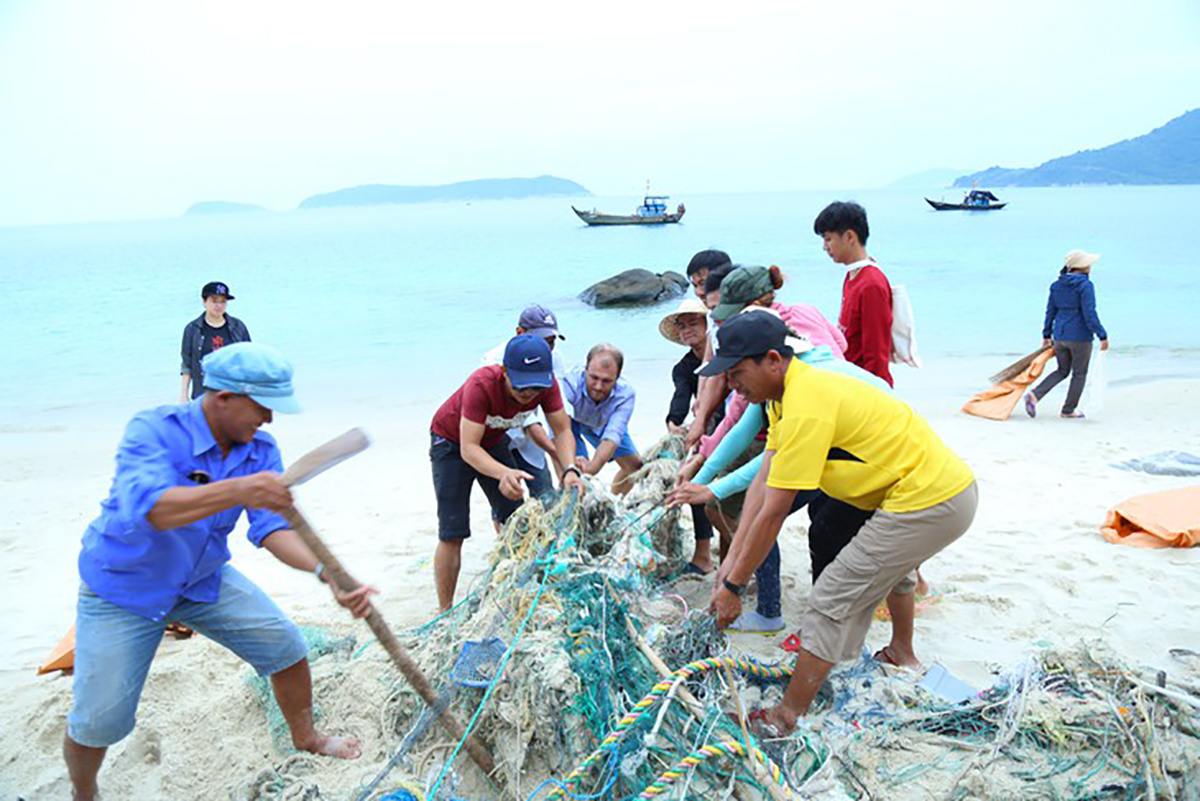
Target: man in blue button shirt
x=158, y=553
x=601, y=405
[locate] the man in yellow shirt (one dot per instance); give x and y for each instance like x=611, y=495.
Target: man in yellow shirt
x=862, y=446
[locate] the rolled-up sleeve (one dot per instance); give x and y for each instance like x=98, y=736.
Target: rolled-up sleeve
x=145, y=471
x=618, y=422
x=264, y=522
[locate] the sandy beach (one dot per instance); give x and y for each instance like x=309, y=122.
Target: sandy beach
x=1032, y=573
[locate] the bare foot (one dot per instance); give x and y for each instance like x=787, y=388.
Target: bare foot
x=337, y=747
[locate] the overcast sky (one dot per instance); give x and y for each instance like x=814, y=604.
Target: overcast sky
x=137, y=108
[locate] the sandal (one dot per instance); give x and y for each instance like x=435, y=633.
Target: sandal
x=1074, y=415
x=178, y=631
x=692, y=569
x=884, y=657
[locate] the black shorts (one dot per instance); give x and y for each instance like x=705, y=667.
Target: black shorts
x=452, y=480
x=834, y=524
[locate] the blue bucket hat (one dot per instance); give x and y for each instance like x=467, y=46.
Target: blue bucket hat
x=259, y=372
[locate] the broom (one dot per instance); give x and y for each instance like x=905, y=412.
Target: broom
x=1019, y=366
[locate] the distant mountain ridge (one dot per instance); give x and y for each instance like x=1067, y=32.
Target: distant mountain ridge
x=1166, y=155
x=482, y=189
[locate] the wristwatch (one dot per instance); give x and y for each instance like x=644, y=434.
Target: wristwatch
x=736, y=589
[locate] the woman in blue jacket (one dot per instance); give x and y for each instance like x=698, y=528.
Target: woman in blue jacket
x=1071, y=322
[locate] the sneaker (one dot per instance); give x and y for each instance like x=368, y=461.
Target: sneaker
x=1030, y=404
x=754, y=623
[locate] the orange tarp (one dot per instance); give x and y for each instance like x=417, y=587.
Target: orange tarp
x=998, y=402
x=1168, y=519
x=63, y=655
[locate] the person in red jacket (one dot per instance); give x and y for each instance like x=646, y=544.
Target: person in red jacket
x=866, y=317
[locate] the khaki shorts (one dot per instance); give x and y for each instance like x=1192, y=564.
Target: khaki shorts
x=881, y=558
x=731, y=508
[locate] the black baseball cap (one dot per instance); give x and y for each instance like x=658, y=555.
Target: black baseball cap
x=215, y=288
x=745, y=336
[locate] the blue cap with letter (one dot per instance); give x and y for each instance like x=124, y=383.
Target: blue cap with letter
x=257, y=371
x=528, y=363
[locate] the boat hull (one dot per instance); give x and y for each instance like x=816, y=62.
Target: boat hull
x=595, y=218
x=940, y=206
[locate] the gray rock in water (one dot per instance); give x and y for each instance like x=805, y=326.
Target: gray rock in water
x=635, y=287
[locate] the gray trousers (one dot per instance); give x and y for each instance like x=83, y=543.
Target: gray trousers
x=1073, y=359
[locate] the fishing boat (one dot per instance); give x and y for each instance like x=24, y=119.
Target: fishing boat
x=653, y=211
x=975, y=200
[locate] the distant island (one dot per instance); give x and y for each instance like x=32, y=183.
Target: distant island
x=483, y=189
x=1166, y=155
x=221, y=207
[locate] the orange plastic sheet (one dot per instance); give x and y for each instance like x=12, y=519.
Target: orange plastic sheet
x=998, y=402
x=63, y=655
x=1168, y=519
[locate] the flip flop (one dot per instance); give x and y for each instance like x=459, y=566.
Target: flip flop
x=1031, y=405
x=178, y=631
x=884, y=657
x=691, y=569
x=1074, y=415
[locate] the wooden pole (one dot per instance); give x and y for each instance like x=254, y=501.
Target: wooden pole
x=309, y=465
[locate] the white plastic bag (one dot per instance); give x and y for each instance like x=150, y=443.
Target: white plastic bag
x=904, y=329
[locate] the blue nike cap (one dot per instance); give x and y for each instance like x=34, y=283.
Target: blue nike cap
x=527, y=361
x=257, y=371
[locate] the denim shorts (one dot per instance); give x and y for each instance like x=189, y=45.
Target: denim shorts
x=114, y=648
x=583, y=433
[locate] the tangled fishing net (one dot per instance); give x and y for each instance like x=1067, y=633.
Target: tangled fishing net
x=583, y=672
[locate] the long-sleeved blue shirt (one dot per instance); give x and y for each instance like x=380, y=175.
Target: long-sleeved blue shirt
x=610, y=417
x=738, y=438
x=126, y=560
x=1071, y=310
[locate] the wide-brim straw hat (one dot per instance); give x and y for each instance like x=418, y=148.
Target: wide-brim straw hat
x=666, y=326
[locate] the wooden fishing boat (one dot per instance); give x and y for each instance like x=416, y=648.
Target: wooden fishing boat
x=653, y=211
x=975, y=200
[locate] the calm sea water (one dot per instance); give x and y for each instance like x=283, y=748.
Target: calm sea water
x=396, y=303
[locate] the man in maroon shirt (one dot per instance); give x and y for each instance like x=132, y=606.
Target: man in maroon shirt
x=469, y=445
x=866, y=317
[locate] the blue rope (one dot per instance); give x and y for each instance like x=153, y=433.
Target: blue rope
x=488, y=693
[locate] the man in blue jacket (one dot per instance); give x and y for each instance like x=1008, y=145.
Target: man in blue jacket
x=158, y=553
x=1071, y=322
